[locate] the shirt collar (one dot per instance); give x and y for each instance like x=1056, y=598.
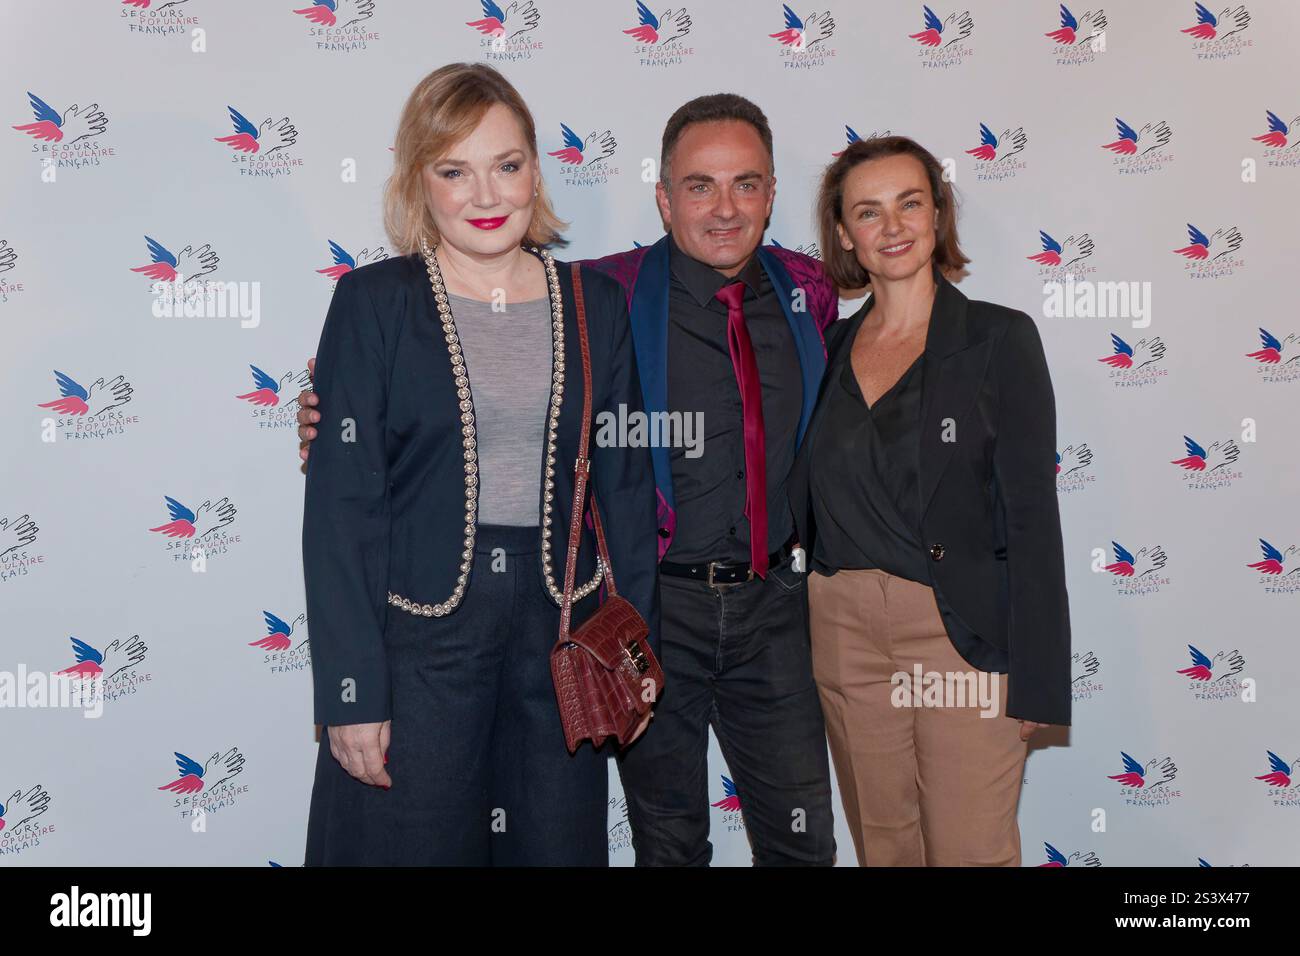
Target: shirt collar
x=703, y=281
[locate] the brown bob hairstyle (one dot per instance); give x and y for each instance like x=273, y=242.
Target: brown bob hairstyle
x=443, y=108
x=841, y=265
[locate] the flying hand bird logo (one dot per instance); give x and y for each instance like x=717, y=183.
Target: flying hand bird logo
x=956, y=26
x=1081, y=30
x=1127, y=356
x=580, y=152
x=521, y=19
x=1127, y=565
x=268, y=390
x=193, y=777
x=1277, y=131
x=99, y=398
x=1225, y=240
x=1274, y=560
x=1062, y=253
x=340, y=13
x=664, y=29
x=345, y=262
x=1271, y=352
x=188, y=264
x=110, y=662
x=76, y=123
x=1279, y=771
x=277, y=632
x=190, y=524
x=264, y=138
x=1152, y=136
x=1210, y=27
x=801, y=34
x=730, y=800
x=1071, y=459
x=1008, y=144
x=1221, y=453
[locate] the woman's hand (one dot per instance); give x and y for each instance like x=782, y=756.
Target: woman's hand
x=362, y=749
x=1027, y=727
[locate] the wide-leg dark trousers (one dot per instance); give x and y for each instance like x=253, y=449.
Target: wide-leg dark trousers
x=481, y=775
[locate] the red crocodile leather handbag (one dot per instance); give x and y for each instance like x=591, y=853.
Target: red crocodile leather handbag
x=606, y=676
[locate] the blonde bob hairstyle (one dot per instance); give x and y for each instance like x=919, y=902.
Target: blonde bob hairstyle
x=444, y=108
x=840, y=264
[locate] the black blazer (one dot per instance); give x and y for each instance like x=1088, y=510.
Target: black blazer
x=989, y=517
x=386, y=511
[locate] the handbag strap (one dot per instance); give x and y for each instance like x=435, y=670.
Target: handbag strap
x=581, y=474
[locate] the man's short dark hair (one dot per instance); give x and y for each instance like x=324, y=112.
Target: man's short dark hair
x=708, y=109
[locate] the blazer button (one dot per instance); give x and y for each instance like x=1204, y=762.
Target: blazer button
x=936, y=552
x=663, y=532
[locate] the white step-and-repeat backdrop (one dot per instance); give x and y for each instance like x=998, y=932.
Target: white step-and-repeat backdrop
x=1128, y=176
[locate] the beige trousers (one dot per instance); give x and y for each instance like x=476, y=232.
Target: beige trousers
x=922, y=785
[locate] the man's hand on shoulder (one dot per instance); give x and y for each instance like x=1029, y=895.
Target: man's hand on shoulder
x=307, y=414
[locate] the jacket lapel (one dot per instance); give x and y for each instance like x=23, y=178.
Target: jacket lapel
x=649, y=315
x=807, y=340
x=949, y=384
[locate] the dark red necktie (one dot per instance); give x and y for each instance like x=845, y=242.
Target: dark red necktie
x=751, y=399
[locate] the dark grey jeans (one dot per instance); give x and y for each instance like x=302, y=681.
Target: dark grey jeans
x=735, y=657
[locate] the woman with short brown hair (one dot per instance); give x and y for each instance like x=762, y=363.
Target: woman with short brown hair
x=925, y=496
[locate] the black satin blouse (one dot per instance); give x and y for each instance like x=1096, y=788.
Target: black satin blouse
x=864, y=466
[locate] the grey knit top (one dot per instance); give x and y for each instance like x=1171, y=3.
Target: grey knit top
x=508, y=355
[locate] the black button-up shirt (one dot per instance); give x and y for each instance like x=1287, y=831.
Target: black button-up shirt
x=710, y=489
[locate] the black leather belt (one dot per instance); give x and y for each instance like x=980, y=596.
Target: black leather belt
x=724, y=572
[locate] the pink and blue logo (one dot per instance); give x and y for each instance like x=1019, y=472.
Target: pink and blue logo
x=1127, y=357
x=1280, y=773
x=263, y=139
x=1145, y=563
x=1131, y=142
x=116, y=657
x=1156, y=772
x=75, y=399
x=806, y=32
x=279, y=634
x=1200, y=459
x=668, y=27
x=580, y=151
x=1279, y=133
x=731, y=799
x=345, y=262
x=1084, y=666
x=1062, y=254
x=1223, y=241
x=193, y=776
x=337, y=13
x=506, y=24
x=1055, y=858
x=1078, y=30
x=941, y=33
x=1274, y=561
x=73, y=125
x=187, y=265
x=268, y=391
x=188, y=523
x=997, y=155
x=1210, y=27
x=851, y=136
x=1271, y=348
x=1205, y=668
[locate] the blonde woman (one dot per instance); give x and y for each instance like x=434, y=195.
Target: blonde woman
x=437, y=507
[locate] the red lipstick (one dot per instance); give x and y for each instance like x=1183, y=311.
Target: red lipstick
x=494, y=223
